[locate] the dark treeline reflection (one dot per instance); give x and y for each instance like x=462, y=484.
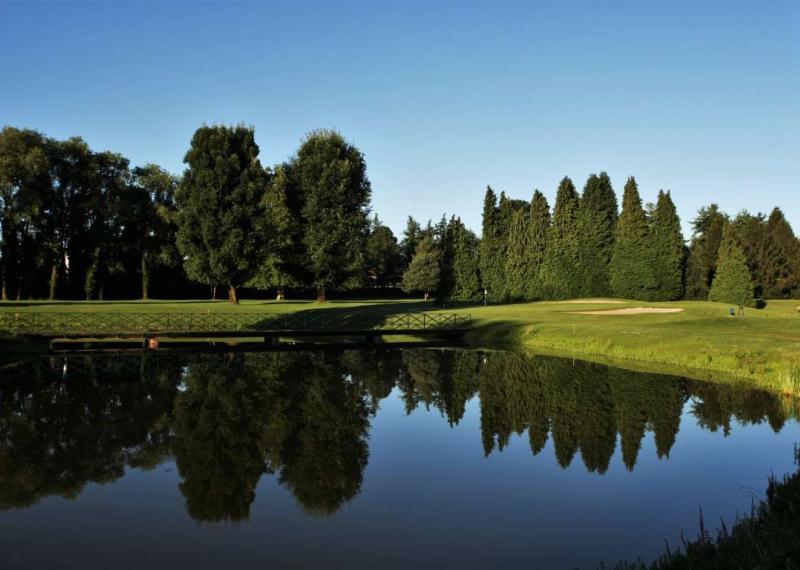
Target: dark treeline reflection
x=228, y=419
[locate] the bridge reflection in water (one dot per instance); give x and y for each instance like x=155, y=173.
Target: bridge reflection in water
x=228, y=419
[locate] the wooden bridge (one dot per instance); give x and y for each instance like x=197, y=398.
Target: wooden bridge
x=151, y=327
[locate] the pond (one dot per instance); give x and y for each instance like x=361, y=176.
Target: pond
x=367, y=458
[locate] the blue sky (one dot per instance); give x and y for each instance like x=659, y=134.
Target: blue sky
x=443, y=98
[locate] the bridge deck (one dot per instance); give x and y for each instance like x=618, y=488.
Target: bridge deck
x=50, y=326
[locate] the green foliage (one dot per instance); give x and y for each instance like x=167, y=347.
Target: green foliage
x=424, y=273
x=24, y=192
x=597, y=217
x=279, y=266
x=732, y=282
x=382, y=255
x=631, y=271
x=750, y=233
x=519, y=272
x=462, y=267
x=492, y=260
x=558, y=274
x=408, y=246
x=667, y=250
x=221, y=219
x=153, y=196
x=538, y=234
x=330, y=194
x=781, y=258
x=703, y=251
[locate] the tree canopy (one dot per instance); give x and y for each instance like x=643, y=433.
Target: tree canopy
x=732, y=281
x=424, y=273
x=221, y=219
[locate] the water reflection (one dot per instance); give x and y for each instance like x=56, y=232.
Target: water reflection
x=228, y=419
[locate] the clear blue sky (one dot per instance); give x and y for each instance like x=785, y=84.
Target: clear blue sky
x=702, y=98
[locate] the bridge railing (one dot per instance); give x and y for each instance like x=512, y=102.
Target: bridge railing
x=51, y=324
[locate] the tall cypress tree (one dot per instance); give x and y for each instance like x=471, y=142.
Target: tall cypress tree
x=597, y=217
x=630, y=270
x=408, y=246
x=667, y=250
x=538, y=231
x=781, y=262
x=703, y=252
x=466, y=285
x=518, y=269
x=559, y=266
x=491, y=247
x=732, y=282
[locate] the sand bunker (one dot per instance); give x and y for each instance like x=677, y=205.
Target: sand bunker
x=593, y=301
x=632, y=311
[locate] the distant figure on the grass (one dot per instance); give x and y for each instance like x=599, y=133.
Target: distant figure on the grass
x=741, y=310
x=732, y=312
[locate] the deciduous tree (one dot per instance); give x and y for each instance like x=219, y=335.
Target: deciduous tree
x=220, y=207
x=331, y=190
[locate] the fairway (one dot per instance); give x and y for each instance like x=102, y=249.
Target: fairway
x=701, y=340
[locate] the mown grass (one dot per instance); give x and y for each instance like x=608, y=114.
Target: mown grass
x=703, y=341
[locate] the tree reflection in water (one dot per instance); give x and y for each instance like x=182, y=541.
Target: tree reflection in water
x=304, y=417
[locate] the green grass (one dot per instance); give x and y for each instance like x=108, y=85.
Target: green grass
x=702, y=341
x=763, y=346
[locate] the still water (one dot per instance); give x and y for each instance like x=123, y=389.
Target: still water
x=379, y=458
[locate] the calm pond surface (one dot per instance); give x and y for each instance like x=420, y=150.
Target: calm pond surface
x=378, y=458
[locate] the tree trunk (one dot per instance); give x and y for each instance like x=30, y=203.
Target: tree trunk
x=232, y=295
x=321, y=294
x=145, y=279
x=213, y=292
x=4, y=293
x=53, y=281
x=101, y=289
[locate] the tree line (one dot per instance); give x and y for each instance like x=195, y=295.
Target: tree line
x=584, y=247
x=76, y=223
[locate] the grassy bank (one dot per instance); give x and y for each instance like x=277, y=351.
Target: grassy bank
x=701, y=341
